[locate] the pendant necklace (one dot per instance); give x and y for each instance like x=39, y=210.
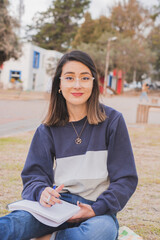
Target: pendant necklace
x=78, y=140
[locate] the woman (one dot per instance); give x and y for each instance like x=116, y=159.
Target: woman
x=89, y=147
x=145, y=88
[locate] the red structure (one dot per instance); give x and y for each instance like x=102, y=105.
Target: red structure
x=114, y=83
x=119, y=82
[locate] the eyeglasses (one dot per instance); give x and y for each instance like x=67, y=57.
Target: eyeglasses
x=70, y=80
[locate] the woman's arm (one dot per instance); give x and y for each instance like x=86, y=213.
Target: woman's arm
x=37, y=173
x=121, y=168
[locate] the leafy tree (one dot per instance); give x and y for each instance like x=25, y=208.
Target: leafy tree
x=129, y=18
x=128, y=54
x=154, y=43
x=85, y=32
x=91, y=29
x=132, y=55
x=102, y=25
x=156, y=11
x=9, y=45
x=56, y=28
x=97, y=51
x=96, y=54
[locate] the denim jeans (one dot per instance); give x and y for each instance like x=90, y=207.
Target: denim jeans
x=145, y=96
x=21, y=225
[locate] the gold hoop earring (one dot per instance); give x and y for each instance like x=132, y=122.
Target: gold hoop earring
x=60, y=91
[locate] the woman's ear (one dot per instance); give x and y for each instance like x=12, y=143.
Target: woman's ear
x=60, y=91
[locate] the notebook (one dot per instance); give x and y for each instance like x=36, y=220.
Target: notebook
x=53, y=216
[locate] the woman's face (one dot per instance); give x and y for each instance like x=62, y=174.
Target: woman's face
x=76, y=83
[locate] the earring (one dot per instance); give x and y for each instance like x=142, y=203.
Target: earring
x=59, y=91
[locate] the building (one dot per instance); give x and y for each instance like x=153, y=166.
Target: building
x=32, y=71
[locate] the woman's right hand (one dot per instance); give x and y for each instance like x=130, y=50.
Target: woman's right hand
x=50, y=196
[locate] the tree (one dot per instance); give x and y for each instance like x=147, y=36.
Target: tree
x=130, y=18
x=128, y=54
x=9, y=44
x=96, y=53
x=97, y=50
x=154, y=43
x=132, y=56
x=91, y=29
x=56, y=28
x=156, y=11
x=85, y=32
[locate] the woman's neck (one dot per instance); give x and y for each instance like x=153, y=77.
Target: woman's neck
x=76, y=113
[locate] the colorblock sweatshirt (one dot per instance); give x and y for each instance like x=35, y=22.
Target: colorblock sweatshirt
x=101, y=168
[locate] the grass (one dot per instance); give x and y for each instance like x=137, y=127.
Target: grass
x=11, y=140
x=142, y=212
x=13, y=154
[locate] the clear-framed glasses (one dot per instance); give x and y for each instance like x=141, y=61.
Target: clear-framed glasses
x=83, y=80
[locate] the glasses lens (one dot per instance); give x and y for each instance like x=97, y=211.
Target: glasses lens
x=86, y=78
x=69, y=79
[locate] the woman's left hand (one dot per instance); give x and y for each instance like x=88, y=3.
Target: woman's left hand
x=84, y=213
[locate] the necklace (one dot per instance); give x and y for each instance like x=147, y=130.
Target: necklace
x=78, y=140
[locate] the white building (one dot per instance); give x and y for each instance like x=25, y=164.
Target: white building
x=30, y=70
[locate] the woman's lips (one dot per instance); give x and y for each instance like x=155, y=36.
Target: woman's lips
x=77, y=94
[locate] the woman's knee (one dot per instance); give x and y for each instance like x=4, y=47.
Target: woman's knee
x=22, y=225
x=100, y=228
x=11, y=225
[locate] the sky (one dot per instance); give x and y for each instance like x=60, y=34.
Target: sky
x=97, y=7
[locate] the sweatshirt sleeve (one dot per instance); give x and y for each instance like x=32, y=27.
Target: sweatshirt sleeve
x=121, y=169
x=37, y=173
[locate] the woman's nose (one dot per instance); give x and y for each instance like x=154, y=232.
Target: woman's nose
x=77, y=83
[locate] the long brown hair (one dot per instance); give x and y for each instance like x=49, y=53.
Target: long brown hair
x=57, y=113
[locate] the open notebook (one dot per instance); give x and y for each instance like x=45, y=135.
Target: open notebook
x=53, y=216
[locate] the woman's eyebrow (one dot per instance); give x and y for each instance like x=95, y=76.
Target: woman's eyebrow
x=74, y=73
x=69, y=73
x=85, y=73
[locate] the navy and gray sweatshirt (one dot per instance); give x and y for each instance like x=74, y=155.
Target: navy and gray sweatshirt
x=101, y=168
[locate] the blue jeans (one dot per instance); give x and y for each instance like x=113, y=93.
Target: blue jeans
x=145, y=96
x=21, y=225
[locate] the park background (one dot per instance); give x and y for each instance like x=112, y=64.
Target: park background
x=65, y=25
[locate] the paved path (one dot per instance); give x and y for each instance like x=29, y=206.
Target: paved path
x=128, y=107
x=17, y=116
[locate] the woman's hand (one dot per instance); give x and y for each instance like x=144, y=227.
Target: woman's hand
x=84, y=213
x=50, y=196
